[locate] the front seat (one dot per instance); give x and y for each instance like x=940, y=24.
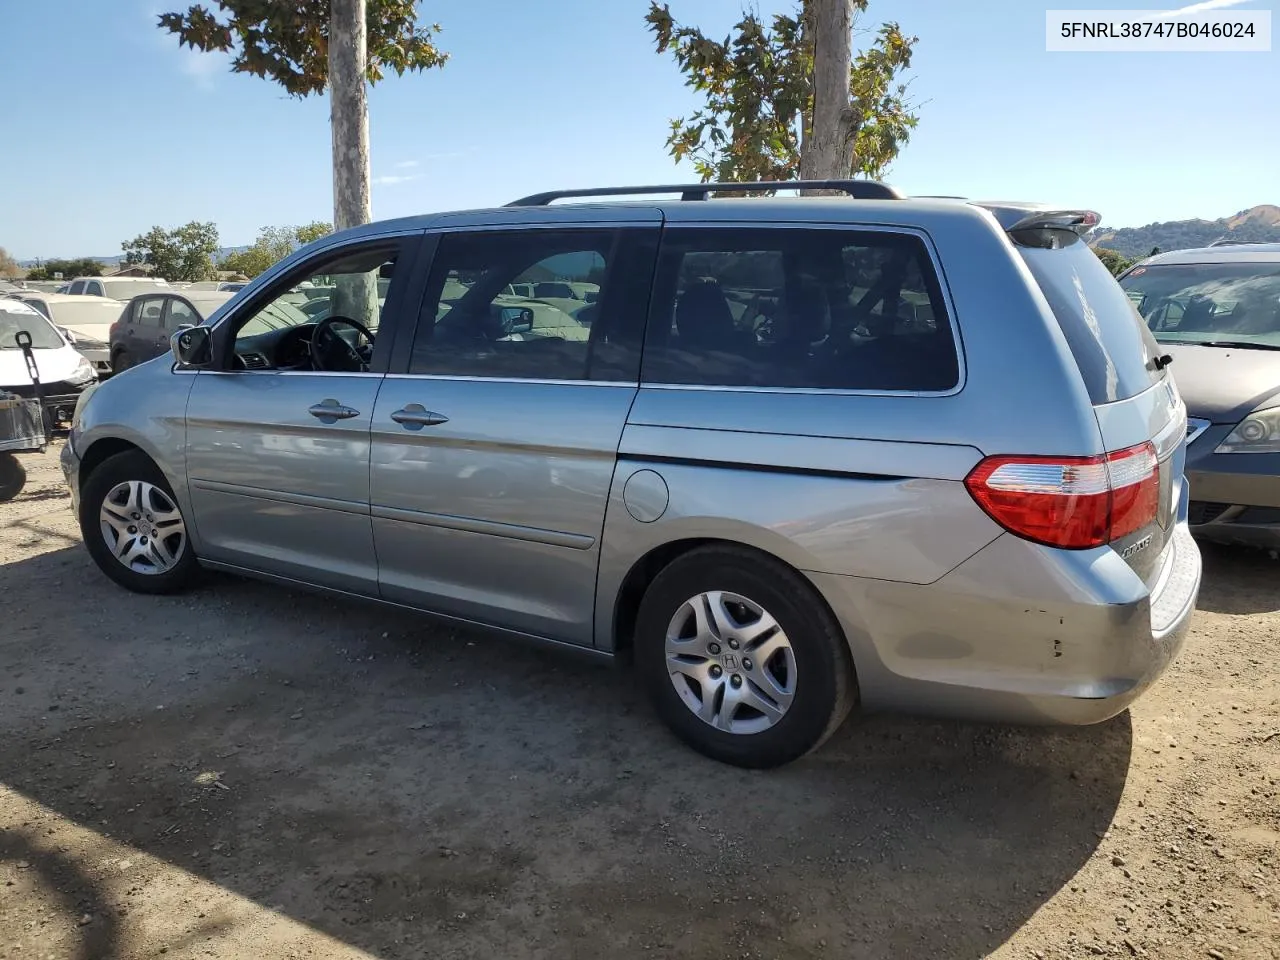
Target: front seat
x=703, y=318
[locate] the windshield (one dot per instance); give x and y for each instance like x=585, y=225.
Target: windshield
x=87, y=311
x=1208, y=302
x=127, y=289
x=18, y=316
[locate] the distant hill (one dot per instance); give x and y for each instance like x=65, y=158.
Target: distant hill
x=1257, y=223
x=116, y=259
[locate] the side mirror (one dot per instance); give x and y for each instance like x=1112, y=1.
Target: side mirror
x=70, y=337
x=192, y=346
x=519, y=320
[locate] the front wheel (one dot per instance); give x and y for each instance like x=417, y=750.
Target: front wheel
x=120, y=362
x=133, y=526
x=13, y=476
x=742, y=658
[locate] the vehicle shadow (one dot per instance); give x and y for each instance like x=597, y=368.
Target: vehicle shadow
x=80, y=908
x=1238, y=580
x=410, y=788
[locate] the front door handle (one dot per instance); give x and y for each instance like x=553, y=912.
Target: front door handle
x=414, y=416
x=331, y=411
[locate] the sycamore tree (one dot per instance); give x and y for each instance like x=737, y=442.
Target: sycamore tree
x=184, y=253
x=790, y=98
x=308, y=46
x=273, y=244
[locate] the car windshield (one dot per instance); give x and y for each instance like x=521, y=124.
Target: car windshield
x=1209, y=302
x=127, y=289
x=15, y=317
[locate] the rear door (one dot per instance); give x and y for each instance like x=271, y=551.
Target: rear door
x=495, y=438
x=1134, y=398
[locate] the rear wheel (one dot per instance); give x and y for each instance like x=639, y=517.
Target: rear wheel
x=133, y=527
x=13, y=476
x=742, y=658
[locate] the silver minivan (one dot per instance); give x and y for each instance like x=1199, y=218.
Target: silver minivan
x=795, y=456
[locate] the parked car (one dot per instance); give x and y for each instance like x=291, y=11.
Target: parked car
x=937, y=467
x=87, y=318
x=1216, y=312
x=143, y=330
x=64, y=373
x=117, y=288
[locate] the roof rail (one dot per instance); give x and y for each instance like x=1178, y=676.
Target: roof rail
x=858, y=189
x=1227, y=242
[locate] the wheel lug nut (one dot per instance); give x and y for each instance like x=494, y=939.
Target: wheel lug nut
x=733, y=644
x=735, y=680
x=133, y=529
x=715, y=673
x=713, y=648
x=136, y=516
x=746, y=663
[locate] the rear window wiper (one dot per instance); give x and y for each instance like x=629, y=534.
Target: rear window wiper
x=1240, y=344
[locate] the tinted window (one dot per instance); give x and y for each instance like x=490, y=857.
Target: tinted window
x=818, y=309
x=93, y=288
x=147, y=313
x=1208, y=302
x=180, y=313
x=1110, y=343
x=502, y=304
x=77, y=287
x=353, y=286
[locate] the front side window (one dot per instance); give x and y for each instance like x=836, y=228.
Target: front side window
x=148, y=312
x=180, y=313
x=324, y=319
x=799, y=308
x=77, y=287
x=504, y=304
x=93, y=288
x=1237, y=303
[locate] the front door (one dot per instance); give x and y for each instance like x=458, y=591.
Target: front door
x=494, y=447
x=278, y=435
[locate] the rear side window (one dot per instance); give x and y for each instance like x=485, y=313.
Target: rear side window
x=799, y=308
x=1111, y=344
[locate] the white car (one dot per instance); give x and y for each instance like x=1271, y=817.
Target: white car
x=87, y=319
x=117, y=288
x=64, y=373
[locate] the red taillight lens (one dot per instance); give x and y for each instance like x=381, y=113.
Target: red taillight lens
x=1072, y=502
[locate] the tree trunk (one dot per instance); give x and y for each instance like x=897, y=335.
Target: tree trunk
x=349, y=113
x=827, y=153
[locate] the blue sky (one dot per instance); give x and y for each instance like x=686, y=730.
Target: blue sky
x=112, y=129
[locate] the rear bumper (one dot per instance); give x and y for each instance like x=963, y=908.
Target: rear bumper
x=1020, y=633
x=1236, y=495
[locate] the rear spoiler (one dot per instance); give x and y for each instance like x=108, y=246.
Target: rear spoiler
x=1032, y=225
x=1079, y=221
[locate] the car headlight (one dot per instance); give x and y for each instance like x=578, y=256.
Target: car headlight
x=84, y=372
x=1259, y=432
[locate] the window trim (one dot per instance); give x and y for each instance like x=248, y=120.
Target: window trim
x=948, y=304
x=406, y=295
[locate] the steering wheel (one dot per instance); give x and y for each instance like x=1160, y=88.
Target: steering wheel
x=323, y=339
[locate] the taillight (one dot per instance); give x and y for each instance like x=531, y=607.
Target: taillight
x=1072, y=502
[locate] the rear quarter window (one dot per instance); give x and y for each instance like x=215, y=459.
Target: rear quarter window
x=799, y=308
x=1111, y=344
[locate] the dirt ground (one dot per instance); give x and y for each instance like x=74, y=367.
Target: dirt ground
x=244, y=771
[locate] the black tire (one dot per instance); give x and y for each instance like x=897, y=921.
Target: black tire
x=120, y=362
x=825, y=684
x=130, y=465
x=13, y=477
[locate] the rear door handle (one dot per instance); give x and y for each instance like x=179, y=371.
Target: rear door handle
x=331, y=411
x=414, y=416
